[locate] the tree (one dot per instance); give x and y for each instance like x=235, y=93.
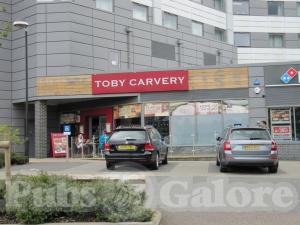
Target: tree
x=8, y=133
x=5, y=27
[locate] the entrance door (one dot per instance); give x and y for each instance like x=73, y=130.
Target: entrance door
x=97, y=126
x=31, y=138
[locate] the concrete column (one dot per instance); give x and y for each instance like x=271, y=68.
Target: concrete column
x=40, y=124
x=157, y=12
x=229, y=22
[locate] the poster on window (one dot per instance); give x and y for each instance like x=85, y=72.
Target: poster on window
x=280, y=116
x=59, y=144
x=282, y=132
x=156, y=109
x=127, y=111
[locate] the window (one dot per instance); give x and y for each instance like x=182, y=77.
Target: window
x=298, y=8
x=242, y=39
x=162, y=50
x=197, y=28
x=140, y=12
x=241, y=7
x=219, y=4
x=106, y=5
x=276, y=40
x=275, y=8
x=170, y=20
x=209, y=59
x=219, y=34
x=298, y=42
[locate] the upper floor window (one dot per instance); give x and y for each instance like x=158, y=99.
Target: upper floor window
x=170, y=20
x=220, y=34
x=107, y=5
x=275, y=8
x=241, y=7
x=276, y=40
x=299, y=41
x=219, y=4
x=197, y=28
x=140, y=12
x=298, y=8
x=242, y=39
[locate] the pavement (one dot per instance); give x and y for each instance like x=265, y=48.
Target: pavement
x=182, y=190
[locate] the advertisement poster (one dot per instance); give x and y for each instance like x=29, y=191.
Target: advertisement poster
x=156, y=109
x=282, y=132
x=280, y=116
x=59, y=144
x=127, y=111
x=208, y=108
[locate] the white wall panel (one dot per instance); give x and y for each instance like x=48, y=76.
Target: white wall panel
x=270, y=24
x=264, y=55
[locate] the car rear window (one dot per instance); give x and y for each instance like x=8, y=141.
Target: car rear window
x=244, y=134
x=128, y=135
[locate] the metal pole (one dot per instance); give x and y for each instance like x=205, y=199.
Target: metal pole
x=26, y=96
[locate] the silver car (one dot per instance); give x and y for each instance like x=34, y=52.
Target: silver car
x=246, y=147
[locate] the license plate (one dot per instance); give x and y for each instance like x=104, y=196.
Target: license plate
x=126, y=148
x=252, y=147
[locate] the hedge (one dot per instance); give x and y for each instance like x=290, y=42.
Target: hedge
x=95, y=201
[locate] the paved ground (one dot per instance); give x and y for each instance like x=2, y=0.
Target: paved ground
x=182, y=204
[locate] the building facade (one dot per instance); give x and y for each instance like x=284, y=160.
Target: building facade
x=71, y=40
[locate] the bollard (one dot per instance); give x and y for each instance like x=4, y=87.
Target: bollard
x=6, y=146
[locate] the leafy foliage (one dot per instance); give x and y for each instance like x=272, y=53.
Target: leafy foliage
x=8, y=133
x=50, y=197
x=5, y=27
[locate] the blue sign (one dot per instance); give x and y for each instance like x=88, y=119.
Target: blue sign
x=285, y=78
x=67, y=129
x=256, y=82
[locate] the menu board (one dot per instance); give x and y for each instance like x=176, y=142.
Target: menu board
x=59, y=144
x=280, y=116
x=282, y=132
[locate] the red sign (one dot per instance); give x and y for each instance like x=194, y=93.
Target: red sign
x=292, y=72
x=59, y=144
x=282, y=132
x=140, y=82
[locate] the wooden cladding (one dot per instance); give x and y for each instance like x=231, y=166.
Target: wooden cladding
x=218, y=78
x=64, y=85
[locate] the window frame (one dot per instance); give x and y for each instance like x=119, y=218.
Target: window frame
x=248, y=9
x=222, y=7
x=223, y=37
x=113, y=6
x=241, y=46
x=140, y=5
x=278, y=34
x=198, y=23
x=164, y=19
x=276, y=2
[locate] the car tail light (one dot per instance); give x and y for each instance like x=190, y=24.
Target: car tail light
x=227, y=146
x=149, y=147
x=274, y=146
x=107, y=147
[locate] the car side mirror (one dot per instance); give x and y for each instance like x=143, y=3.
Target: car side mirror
x=219, y=139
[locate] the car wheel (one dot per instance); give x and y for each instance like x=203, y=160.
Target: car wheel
x=165, y=161
x=155, y=164
x=223, y=169
x=110, y=166
x=273, y=169
x=217, y=161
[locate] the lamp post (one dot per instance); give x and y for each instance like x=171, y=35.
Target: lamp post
x=24, y=25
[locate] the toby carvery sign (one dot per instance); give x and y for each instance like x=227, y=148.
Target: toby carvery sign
x=140, y=82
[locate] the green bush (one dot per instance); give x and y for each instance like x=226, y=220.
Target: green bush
x=16, y=159
x=48, y=197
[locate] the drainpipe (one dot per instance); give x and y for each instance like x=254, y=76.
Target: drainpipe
x=219, y=57
x=128, y=31
x=179, y=43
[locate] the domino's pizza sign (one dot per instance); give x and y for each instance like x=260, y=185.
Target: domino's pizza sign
x=289, y=75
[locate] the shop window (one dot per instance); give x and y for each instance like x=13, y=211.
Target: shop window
x=140, y=12
x=127, y=115
x=170, y=20
x=275, y=8
x=297, y=123
x=197, y=28
x=157, y=115
x=242, y=39
x=281, y=123
x=276, y=40
x=241, y=7
x=106, y=5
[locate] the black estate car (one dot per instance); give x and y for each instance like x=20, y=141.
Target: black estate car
x=136, y=144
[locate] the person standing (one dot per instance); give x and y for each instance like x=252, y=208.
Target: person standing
x=102, y=141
